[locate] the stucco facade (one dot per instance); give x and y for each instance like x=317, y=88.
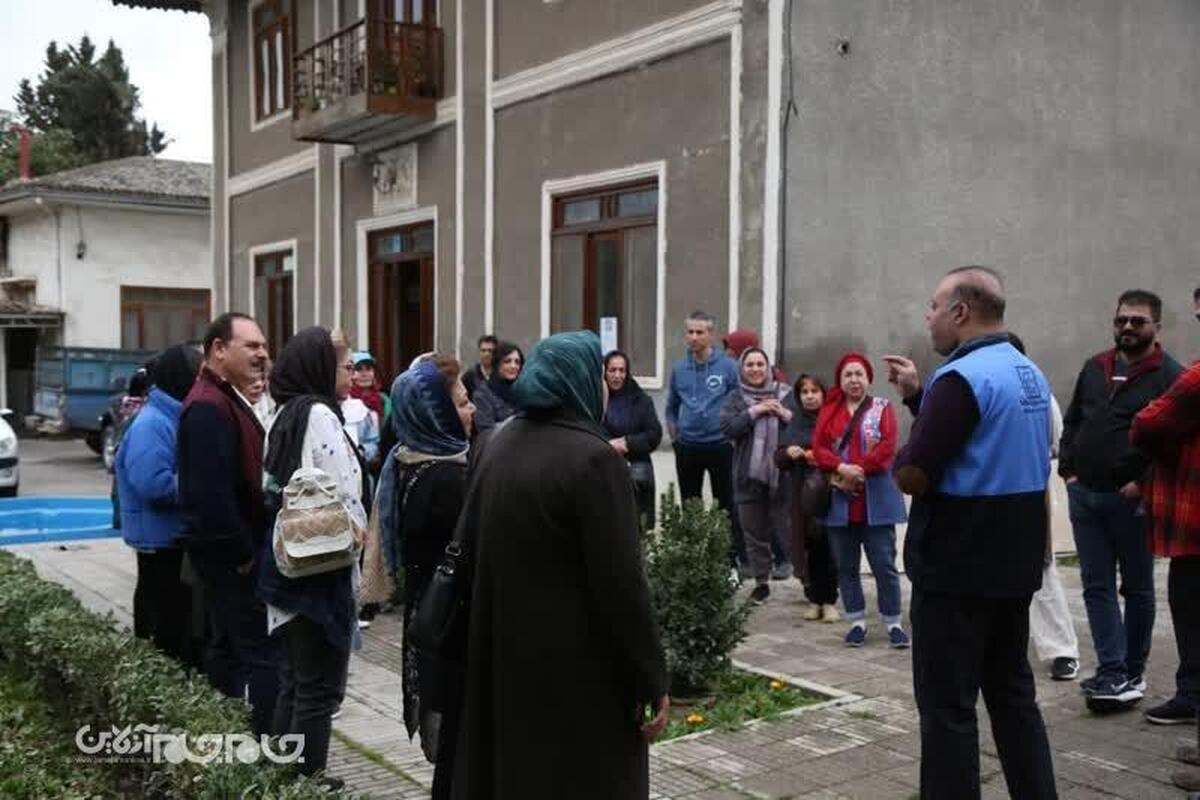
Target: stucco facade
x=549, y=92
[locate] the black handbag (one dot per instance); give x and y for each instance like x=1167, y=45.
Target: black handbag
x=816, y=491
x=439, y=624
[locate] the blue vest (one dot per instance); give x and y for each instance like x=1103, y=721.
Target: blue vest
x=1009, y=450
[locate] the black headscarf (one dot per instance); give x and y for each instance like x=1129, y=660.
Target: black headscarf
x=305, y=374
x=502, y=387
x=174, y=370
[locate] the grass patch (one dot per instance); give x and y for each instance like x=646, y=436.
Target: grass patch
x=738, y=697
x=1068, y=561
x=868, y=716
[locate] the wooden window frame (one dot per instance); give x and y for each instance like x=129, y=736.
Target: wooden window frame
x=609, y=226
x=380, y=9
x=198, y=312
x=288, y=312
x=282, y=24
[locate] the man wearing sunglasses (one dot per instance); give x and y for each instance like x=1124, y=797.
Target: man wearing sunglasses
x=1104, y=475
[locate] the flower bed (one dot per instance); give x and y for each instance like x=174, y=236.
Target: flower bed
x=737, y=697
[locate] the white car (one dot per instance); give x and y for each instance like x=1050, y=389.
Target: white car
x=10, y=470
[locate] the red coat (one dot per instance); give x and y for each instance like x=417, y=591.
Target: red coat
x=831, y=424
x=1168, y=430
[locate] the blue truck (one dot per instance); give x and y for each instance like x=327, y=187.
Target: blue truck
x=74, y=389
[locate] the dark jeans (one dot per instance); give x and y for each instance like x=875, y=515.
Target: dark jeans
x=812, y=560
x=962, y=645
x=1110, y=534
x=240, y=654
x=1183, y=593
x=691, y=462
x=312, y=684
x=162, y=604
x=879, y=542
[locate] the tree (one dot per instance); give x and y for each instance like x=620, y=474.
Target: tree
x=82, y=110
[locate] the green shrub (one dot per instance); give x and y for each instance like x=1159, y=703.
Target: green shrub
x=695, y=599
x=91, y=673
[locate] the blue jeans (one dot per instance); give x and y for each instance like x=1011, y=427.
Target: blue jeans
x=879, y=541
x=1110, y=533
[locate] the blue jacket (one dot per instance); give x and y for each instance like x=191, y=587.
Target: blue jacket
x=696, y=394
x=146, y=476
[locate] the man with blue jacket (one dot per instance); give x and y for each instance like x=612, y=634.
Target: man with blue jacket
x=699, y=383
x=977, y=465
x=150, y=518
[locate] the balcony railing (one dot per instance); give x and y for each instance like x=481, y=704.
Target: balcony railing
x=371, y=68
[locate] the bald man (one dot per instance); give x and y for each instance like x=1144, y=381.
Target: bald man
x=977, y=465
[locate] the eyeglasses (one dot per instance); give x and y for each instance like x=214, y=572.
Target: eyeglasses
x=1137, y=323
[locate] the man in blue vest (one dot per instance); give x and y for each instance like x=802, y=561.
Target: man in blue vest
x=977, y=465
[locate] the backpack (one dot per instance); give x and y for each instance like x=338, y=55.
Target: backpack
x=313, y=530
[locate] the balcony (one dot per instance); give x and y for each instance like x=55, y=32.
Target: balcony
x=370, y=79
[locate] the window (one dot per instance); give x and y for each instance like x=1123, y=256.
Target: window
x=414, y=12
x=155, y=319
x=274, y=274
x=604, y=264
x=272, y=59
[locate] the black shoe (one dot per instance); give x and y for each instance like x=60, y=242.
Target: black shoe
x=1064, y=669
x=329, y=783
x=1172, y=712
x=760, y=594
x=1113, y=695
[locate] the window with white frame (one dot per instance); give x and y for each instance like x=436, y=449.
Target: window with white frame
x=272, y=55
x=604, y=266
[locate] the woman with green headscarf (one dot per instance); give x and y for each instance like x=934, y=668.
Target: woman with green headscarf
x=560, y=608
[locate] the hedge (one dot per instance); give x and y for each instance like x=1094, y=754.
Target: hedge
x=90, y=672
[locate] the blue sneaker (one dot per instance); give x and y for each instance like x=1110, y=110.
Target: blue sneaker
x=897, y=638
x=857, y=636
x=1113, y=695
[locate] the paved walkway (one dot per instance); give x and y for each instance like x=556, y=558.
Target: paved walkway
x=864, y=744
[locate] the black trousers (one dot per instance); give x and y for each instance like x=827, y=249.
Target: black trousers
x=312, y=684
x=241, y=657
x=963, y=645
x=812, y=560
x=1183, y=594
x=692, y=461
x=162, y=604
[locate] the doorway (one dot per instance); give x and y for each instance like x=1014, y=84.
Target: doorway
x=400, y=292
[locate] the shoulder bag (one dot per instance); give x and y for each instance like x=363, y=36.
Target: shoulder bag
x=816, y=492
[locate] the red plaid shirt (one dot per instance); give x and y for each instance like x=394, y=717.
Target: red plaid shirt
x=1168, y=430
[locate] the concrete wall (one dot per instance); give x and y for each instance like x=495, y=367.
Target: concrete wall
x=123, y=248
x=1058, y=141
x=677, y=111
x=530, y=32
x=275, y=213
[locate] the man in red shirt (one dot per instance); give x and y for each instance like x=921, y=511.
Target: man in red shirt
x=1168, y=431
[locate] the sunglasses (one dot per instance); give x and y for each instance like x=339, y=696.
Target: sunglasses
x=1137, y=323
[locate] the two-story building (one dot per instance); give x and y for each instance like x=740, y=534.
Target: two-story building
x=421, y=172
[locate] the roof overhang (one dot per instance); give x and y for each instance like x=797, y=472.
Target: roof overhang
x=20, y=199
x=164, y=5
x=40, y=319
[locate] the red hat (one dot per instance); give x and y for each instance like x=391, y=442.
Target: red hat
x=850, y=358
x=737, y=342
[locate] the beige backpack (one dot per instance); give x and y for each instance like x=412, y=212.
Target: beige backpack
x=313, y=531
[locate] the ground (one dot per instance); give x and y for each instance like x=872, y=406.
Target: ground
x=862, y=744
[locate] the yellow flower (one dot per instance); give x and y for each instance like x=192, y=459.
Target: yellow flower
x=778, y=685
x=694, y=719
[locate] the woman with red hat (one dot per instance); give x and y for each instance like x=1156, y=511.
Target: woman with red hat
x=855, y=442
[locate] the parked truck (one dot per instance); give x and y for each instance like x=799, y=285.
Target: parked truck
x=73, y=392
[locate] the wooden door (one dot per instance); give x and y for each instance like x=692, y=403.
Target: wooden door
x=400, y=290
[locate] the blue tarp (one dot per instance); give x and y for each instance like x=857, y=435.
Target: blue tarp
x=27, y=520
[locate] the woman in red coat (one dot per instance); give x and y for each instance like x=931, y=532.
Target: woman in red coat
x=865, y=505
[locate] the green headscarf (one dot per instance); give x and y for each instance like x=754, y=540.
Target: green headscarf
x=564, y=371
